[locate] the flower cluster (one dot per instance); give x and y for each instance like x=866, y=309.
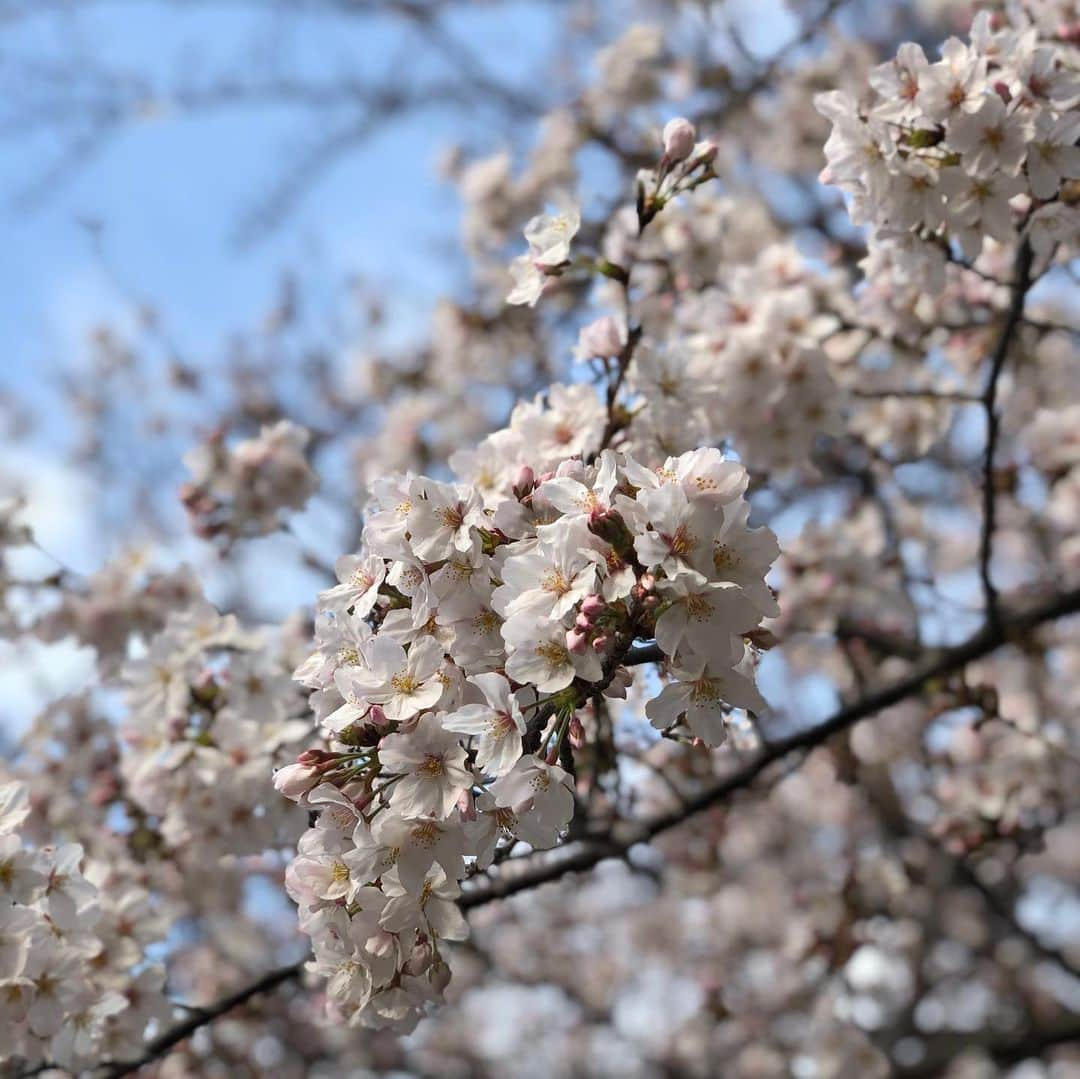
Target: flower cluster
x=453, y=656
x=744, y=363
x=209, y=706
x=242, y=490
x=70, y=940
x=973, y=146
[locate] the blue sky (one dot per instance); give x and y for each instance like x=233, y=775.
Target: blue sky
x=170, y=190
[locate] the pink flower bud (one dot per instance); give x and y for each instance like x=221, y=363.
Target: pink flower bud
x=592, y=605
x=361, y=799
x=582, y=622
x=679, y=139
x=707, y=153
x=377, y=717
x=576, y=733
x=602, y=338
x=525, y=482
x=420, y=958
x=576, y=641
x=315, y=757
x=295, y=780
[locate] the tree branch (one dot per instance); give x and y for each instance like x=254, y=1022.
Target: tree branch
x=1021, y=284
x=199, y=1018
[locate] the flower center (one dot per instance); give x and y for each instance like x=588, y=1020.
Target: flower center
x=724, y=557
x=432, y=766
x=705, y=692
x=452, y=516
x=556, y=583
x=500, y=725
x=698, y=607
x=425, y=834
x=405, y=683
x=683, y=542
x=459, y=570
x=540, y=781
x=553, y=654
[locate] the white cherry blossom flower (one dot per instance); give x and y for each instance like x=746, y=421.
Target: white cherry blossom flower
x=1053, y=155
x=431, y=763
x=743, y=556
x=704, y=615
x=497, y=724
x=359, y=577
x=528, y=281
x=442, y=518
x=992, y=139
x=431, y=909
x=954, y=85
x=402, y=683
x=537, y=655
x=897, y=82
x=702, y=694
x=675, y=534
x=412, y=845
x=541, y=796
x=552, y=578
x=549, y=235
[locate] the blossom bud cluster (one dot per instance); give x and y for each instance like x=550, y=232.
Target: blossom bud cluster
x=242, y=490
x=69, y=994
x=684, y=166
x=977, y=145
x=209, y=706
x=453, y=656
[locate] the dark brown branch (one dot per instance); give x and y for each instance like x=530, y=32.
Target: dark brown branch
x=1021, y=284
x=201, y=1017
x=1004, y=1051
